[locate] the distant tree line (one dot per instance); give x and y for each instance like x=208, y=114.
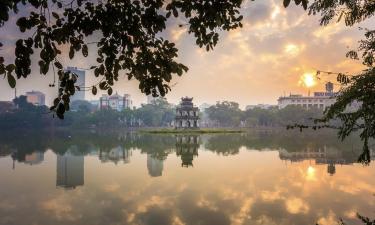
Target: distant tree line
x=158, y=114
x=228, y=114
x=82, y=115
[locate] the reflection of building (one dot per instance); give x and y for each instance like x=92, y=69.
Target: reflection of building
x=70, y=170
x=115, y=155
x=36, y=98
x=34, y=158
x=187, y=116
x=323, y=156
x=115, y=102
x=81, y=82
x=154, y=166
x=187, y=149
x=319, y=100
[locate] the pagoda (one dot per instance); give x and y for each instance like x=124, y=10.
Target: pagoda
x=187, y=116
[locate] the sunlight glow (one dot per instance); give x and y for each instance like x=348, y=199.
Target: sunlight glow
x=310, y=173
x=307, y=80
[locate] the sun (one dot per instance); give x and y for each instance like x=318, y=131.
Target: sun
x=308, y=80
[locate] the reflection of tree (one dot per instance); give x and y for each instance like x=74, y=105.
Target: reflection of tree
x=365, y=220
x=159, y=146
x=187, y=148
x=225, y=144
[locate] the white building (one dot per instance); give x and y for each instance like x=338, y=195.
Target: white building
x=307, y=102
x=36, y=98
x=116, y=102
x=319, y=100
x=81, y=82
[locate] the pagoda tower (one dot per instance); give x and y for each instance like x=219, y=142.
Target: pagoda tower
x=187, y=116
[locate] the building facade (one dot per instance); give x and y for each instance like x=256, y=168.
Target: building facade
x=320, y=100
x=187, y=116
x=36, y=98
x=115, y=102
x=81, y=82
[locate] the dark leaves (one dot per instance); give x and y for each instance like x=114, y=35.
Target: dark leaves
x=11, y=80
x=94, y=90
x=286, y=3
x=85, y=51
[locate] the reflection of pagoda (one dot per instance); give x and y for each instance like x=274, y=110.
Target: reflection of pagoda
x=187, y=115
x=187, y=148
x=115, y=155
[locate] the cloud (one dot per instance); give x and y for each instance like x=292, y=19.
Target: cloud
x=296, y=205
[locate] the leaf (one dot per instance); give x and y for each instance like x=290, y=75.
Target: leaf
x=110, y=91
x=85, y=51
x=11, y=80
x=10, y=67
x=286, y=3
x=71, y=53
x=54, y=14
x=94, y=90
x=58, y=65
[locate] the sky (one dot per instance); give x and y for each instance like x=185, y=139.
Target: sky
x=264, y=60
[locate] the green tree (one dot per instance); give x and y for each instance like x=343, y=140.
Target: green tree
x=225, y=113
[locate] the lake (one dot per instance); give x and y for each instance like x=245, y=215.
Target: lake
x=263, y=177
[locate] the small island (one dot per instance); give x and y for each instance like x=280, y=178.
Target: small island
x=187, y=122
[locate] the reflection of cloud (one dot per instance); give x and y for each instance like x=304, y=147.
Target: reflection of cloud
x=240, y=217
x=296, y=205
x=270, y=195
x=330, y=219
x=111, y=187
x=60, y=208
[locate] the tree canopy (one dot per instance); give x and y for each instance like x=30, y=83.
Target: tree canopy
x=128, y=39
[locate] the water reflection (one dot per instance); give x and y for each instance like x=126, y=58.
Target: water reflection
x=187, y=148
x=70, y=170
x=129, y=178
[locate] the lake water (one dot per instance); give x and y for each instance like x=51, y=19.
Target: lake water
x=268, y=178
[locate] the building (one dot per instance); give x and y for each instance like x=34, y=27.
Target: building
x=115, y=102
x=319, y=100
x=6, y=106
x=81, y=82
x=69, y=170
x=154, y=166
x=36, y=98
x=187, y=116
